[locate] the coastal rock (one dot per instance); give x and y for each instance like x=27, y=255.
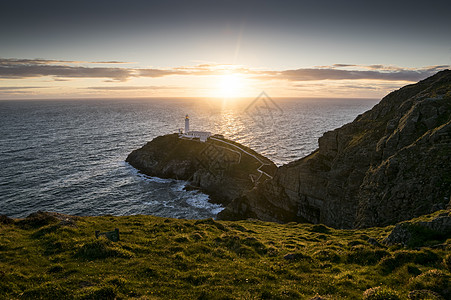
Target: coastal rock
x=414, y=233
x=221, y=168
x=43, y=218
x=392, y=163
x=4, y=219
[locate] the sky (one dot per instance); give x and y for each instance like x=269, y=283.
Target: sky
x=90, y=49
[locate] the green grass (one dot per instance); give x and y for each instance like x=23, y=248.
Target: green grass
x=159, y=258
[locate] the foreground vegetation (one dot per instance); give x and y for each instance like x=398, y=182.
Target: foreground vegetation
x=56, y=256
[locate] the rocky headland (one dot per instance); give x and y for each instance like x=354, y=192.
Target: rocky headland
x=223, y=169
x=392, y=163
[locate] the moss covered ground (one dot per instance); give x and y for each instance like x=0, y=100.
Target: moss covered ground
x=160, y=258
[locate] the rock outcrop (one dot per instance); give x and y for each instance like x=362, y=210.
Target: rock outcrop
x=221, y=168
x=416, y=233
x=390, y=164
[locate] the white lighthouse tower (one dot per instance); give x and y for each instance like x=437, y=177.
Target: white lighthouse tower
x=186, y=124
x=201, y=135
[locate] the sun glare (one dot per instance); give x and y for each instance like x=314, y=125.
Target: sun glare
x=230, y=86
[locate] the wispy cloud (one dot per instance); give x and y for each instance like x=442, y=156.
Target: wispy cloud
x=342, y=65
x=338, y=74
x=130, y=88
x=38, y=70
x=16, y=88
x=40, y=61
x=157, y=72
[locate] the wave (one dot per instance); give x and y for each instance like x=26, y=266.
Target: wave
x=200, y=200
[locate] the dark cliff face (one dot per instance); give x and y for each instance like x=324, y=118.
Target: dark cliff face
x=221, y=168
x=390, y=164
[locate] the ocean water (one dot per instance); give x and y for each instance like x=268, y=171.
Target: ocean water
x=68, y=156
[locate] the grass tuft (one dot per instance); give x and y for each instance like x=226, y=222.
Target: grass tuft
x=434, y=280
x=47, y=291
x=101, y=248
x=364, y=255
x=380, y=293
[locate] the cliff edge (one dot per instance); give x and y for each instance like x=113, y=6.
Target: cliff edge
x=390, y=164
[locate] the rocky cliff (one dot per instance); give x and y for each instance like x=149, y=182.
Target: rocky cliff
x=219, y=167
x=390, y=164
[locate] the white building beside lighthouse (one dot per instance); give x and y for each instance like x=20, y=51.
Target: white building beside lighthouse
x=201, y=135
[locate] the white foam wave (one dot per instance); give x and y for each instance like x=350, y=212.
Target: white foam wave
x=200, y=200
x=155, y=179
x=180, y=185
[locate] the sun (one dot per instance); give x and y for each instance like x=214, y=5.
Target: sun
x=230, y=85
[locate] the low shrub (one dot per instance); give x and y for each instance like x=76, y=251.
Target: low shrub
x=424, y=295
x=47, y=291
x=238, y=227
x=380, y=293
x=246, y=251
x=447, y=261
x=365, y=256
x=399, y=258
x=247, y=247
x=258, y=246
x=149, y=272
x=326, y=255
x=212, y=222
x=355, y=243
x=320, y=228
x=434, y=280
x=413, y=270
x=297, y=256
x=55, y=269
x=105, y=292
x=101, y=248
x=181, y=239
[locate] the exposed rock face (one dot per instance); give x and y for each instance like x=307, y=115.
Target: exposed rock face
x=390, y=164
x=42, y=218
x=414, y=233
x=219, y=167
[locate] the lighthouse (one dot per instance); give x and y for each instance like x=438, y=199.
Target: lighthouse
x=186, y=124
x=201, y=135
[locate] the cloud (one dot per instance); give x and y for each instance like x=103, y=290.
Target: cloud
x=15, y=88
x=384, y=74
x=38, y=70
x=343, y=65
x=40, y=61
x=11, y=68
x=360, y=87
x=111, y=62
x=37, y=61
x=130, y=87
x=334, y=74
x=158, y=72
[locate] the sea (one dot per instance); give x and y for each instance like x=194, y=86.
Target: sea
x=68, y=156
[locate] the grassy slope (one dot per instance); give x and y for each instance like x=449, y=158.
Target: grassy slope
x=169, y=258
